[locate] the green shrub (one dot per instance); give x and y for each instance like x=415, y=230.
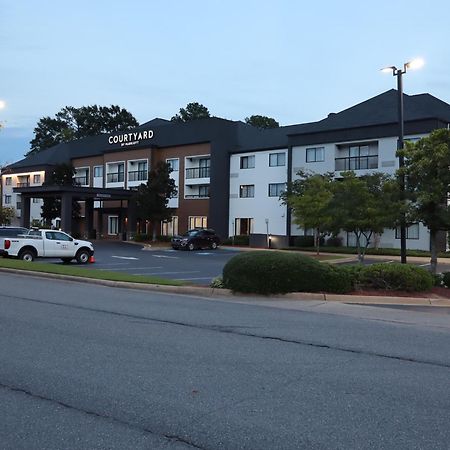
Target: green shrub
x=217, y=283
x=303, y=241
x=446, y=279
x=396, y=277
x=354, y=271
x=141, y=237
x=264, y=272
x=241, y=240
x=438, y=279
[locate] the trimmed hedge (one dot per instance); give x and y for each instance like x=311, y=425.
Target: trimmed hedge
x=266, y=272
x=396, y=277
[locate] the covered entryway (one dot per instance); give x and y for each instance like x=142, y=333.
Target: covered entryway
x=87, y=194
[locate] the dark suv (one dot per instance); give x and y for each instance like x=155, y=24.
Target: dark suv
x=195, y=239
x=8, y=232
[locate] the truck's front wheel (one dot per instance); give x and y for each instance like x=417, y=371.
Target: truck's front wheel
x=83, y=256
x=27, y=255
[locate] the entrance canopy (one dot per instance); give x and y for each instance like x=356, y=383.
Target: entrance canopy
x=67, y=194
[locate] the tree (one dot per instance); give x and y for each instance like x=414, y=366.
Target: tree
x=193, y=111
x=75, y=123
x=152, y=198
x=62, y=175
x=427, y=174
x=310, y=197
x=7, y=213
x=364, y=206
x=262, y=122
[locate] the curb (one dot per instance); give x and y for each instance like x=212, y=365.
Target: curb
x=227, y=293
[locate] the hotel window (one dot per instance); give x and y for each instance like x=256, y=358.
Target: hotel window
x=203, y=191
x=315, y=154
x=277, y=159
x=8, y=181
x=198, y=222
x=248, y=162
x=173, y=164
x=98, y=171
x=412, y=232
x=276, y=189
x=169, y=228
x=247, y=190
x=7, y=199
x=36, y=200
x=357, y=157
x=36, y=179
x=113, y=225
x=120, y=172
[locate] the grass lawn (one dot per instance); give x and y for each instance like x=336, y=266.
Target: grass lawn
x=84, y=272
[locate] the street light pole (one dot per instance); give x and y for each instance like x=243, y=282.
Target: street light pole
x=414, y=64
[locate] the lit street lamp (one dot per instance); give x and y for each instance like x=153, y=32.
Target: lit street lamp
x=414, y=64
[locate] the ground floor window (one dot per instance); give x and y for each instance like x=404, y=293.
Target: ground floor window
x=412, y=232
x=169, y=228
x=113, y=225
x=198, y=222
x=243, y=226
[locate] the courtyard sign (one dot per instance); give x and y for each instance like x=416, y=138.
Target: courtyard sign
x=131, y=138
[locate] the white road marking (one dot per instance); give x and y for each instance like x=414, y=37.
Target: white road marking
x=424, y=265
x=164, y=256
x=199, y=278
x=112, y=264
x=135, y=268
x=206, y=254
x=167, y=273
x=125, y=257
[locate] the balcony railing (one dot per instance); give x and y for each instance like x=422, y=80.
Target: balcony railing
x=197, y=172
x=137, y=175
x=81, y=181
x=196, y=196
x=115, y=177
x=26, y=184
x=356, y=163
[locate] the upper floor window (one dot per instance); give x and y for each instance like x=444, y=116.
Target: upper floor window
x=8, y=181
x=412, y=232
x=98, y=171
x=7, y=199
x=315, y=154
x=277, y=159
x=247, y=190
x=248, y=162
x=276, y=189
x=357, y=157
x=174, y=164
x=36, y=178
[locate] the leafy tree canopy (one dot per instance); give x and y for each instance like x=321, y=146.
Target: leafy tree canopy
x=193, y=111
x=262, y=121
x=7, y=213
x=75, y=123
x=427, y=174
x=152, y=198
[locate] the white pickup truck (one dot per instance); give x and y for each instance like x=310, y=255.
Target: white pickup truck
x=48, y=244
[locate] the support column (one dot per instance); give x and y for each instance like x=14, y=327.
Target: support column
x=132, y=219
x=89, y=218
x=66, y=213
x=25, y=212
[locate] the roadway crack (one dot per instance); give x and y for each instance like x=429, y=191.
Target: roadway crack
x=170, y=437
x=236, y=331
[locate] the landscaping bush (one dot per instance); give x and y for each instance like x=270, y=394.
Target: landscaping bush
x=303, y=241
x=446, y=279
x=241, y=240
x=264, y=272
x=141, y=237
x=396, y=277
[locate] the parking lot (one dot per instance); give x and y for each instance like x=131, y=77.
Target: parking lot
x=196, y=267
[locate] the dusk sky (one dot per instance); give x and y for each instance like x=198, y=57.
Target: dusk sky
x=291, y=60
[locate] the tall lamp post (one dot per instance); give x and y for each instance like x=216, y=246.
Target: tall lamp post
x=414, y=64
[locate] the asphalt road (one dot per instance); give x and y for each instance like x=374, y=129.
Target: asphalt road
x=92, y=367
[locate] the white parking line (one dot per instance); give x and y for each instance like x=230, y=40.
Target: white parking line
x=124, y=257
x=134, y=268
x=163, y=256
x=167, y=273
x=199, y=278
x=425, y=265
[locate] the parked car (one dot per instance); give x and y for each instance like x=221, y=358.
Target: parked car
x=196, y=239
x=8, y=232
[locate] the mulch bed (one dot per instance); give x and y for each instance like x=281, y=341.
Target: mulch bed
x=435, y=292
